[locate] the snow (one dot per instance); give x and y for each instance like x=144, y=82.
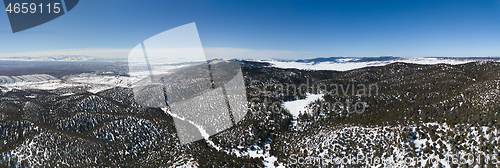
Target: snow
x=345, y=65
x=59, y=58
x=297, y=106
x=26, y=78
x=158, y=68
x=92, y=82
x=268, y=159
x=31, y=96
x=67, y=94
x=44, y=85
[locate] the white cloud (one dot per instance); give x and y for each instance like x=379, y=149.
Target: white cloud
x=216, y=52
x=99, y=52
x=243, y=53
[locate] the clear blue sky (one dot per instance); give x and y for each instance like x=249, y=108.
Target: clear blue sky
x=274, y=28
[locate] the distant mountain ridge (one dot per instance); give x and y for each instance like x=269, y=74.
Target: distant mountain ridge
x=350, y=63
x=77, y=58
x=388, y=58
x=348, y=59
x=61, y=58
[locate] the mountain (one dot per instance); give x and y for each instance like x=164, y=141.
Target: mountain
x=61, y=58
x=431, y=114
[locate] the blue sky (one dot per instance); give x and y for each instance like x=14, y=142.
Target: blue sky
x=270, y=28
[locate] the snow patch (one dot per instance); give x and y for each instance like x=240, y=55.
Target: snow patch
x=297, y=106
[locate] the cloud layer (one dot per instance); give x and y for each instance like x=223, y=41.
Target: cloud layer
x=210, y=53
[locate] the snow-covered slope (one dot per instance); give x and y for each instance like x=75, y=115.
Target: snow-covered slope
x=60, y=58
x=90, y=82
x=26, y=78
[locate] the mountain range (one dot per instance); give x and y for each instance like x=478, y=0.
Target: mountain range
x=433, y=113
x=60, y=58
